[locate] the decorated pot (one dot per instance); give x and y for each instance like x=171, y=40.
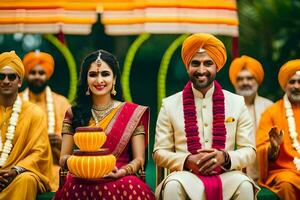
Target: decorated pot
x=91, y=165
x=89, y=139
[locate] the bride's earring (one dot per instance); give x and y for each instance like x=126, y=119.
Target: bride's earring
x=113, y=91
x=87, y=93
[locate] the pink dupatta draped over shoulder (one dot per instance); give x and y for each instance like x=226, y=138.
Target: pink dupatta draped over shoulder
x=121, y=128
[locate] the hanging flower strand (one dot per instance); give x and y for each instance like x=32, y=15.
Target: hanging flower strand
x=292, y=128
x=50, y=108
x=5, y=151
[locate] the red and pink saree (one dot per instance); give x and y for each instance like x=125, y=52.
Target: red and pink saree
x=119, y=129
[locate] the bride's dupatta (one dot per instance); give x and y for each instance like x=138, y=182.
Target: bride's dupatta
x=119, y=127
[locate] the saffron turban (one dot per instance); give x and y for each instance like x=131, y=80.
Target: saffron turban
x=212, y=45
x=33, y=59
x=246, y=62
x=13, y=61
x=287, y=71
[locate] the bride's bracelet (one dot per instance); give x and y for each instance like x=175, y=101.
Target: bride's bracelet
x=133, y=166
x=63, y=161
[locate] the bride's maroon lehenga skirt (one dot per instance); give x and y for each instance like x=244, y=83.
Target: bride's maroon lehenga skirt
x=127, y=187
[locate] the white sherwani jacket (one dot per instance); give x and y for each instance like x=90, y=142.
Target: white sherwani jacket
x=170, y=148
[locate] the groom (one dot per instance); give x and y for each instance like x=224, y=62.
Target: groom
x=198, y=129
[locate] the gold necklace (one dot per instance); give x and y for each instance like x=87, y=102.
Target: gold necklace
x=99, y=112
x=103, y=107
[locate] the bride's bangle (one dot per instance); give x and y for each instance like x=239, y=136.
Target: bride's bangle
x=63, y=161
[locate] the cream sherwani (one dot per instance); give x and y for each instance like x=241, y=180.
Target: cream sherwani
x=259, y=106
x=170, y=148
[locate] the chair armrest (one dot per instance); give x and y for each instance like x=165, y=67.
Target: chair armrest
x=142, y=175
x=62, y=177
x=161, y=173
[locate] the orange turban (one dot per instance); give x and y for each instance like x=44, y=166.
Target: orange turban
x=212, y=45
x=246, y=62
x=33, y=59
x=11, y=59
x=287, y=71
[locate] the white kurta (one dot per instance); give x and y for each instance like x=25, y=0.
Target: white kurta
x=259, y=106
x=170, y=148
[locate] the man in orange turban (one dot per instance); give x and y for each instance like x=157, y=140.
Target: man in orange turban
x=45, y=60
x=25, y=161
x=246, y=74
x=213, y=47
x=278, y=147
x=39, y=67
x=198, y=130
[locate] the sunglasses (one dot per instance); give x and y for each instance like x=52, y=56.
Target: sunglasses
x=11, y=77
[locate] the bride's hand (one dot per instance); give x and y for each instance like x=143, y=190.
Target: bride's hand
x=116, y=173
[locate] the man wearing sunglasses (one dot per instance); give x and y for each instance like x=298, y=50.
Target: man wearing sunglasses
x=25, y=152
x=39, y=67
